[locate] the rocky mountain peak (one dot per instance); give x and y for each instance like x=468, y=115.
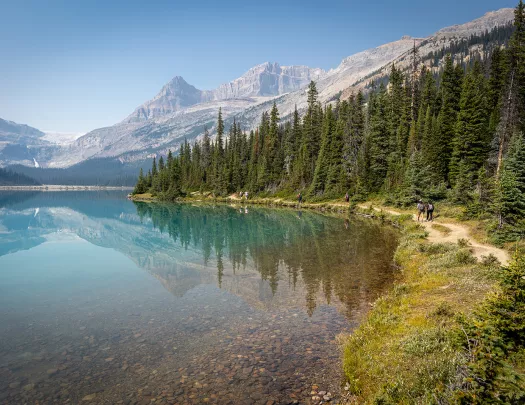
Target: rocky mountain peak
x=264, y=80
x=174, y=95
x=268, y=79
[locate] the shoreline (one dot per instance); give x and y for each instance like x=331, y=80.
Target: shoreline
x=412, y=336
x=271, y=202
x=56, y=187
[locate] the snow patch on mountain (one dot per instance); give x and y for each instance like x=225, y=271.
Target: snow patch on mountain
x=61, y=138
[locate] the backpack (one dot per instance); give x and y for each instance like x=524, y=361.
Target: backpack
x=431, y=207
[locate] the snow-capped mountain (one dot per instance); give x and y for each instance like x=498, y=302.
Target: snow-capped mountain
x=180, y=111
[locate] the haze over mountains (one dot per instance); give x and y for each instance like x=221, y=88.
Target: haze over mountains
x=180, y=111
x=265, y=80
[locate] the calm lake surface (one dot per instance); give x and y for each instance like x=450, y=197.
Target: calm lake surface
x=106, y=301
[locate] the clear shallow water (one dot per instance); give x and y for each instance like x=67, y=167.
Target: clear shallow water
x=110, y=301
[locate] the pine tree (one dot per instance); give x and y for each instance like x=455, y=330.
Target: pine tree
x=509, y=204
x=483, y=195
x=324, y=158
x=416, y=181
x=462, y=191
x=220, y=133
x=379, y=139
x=335, y=179
x=273, y=144
x=175, y=188
x=353, y=138
x=311, y=135
x=169, y=162
x=141, y=186
x=154, y=167
x=471, y=142
x=429, y=92
x=450, y=94
x=511, y=190
x=512, y=116
x=415, y=71
x=398, y=120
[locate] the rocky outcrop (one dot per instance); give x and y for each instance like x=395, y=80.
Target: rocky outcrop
x=174, y=96
x=267, y=79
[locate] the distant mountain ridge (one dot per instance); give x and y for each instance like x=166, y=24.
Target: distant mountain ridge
x=180, y=111
x=264, y=80
x=12, y=128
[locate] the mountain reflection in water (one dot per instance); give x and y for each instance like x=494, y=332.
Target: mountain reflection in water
x=117, y=301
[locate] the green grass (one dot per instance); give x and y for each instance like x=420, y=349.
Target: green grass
x=405, y=352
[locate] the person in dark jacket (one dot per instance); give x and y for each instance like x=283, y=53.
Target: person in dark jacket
x=430, y=211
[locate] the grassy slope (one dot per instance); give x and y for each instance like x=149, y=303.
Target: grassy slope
x=409, y=350
x=403, y=349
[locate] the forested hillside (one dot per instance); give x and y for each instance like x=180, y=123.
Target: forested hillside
x=98, y=172
x=457, y=135
x=10, y=178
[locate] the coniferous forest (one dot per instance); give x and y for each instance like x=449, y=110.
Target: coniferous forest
x=456, y=134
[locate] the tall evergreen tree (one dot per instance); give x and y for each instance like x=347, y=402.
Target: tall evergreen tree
x=379, y=139
x=324, y=159
x=220, y=133
x=450, y=95
x=471, y=141
x=512, y=116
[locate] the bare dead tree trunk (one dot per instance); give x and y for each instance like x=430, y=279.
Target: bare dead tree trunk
x=414, y=79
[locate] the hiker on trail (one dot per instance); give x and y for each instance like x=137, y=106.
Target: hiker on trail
x=240, y=195
x=420, y=210
x=347, y=197
x=299, y=198
x=430, y=211
x=246, y=194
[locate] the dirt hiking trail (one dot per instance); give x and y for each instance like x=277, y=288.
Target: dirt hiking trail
x=457, y=232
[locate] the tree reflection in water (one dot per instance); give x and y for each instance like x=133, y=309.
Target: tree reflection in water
x=350, y=259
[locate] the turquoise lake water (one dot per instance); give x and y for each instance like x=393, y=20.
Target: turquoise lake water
x=103, y=300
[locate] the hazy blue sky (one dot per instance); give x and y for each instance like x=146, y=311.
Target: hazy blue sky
x=76, y=66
